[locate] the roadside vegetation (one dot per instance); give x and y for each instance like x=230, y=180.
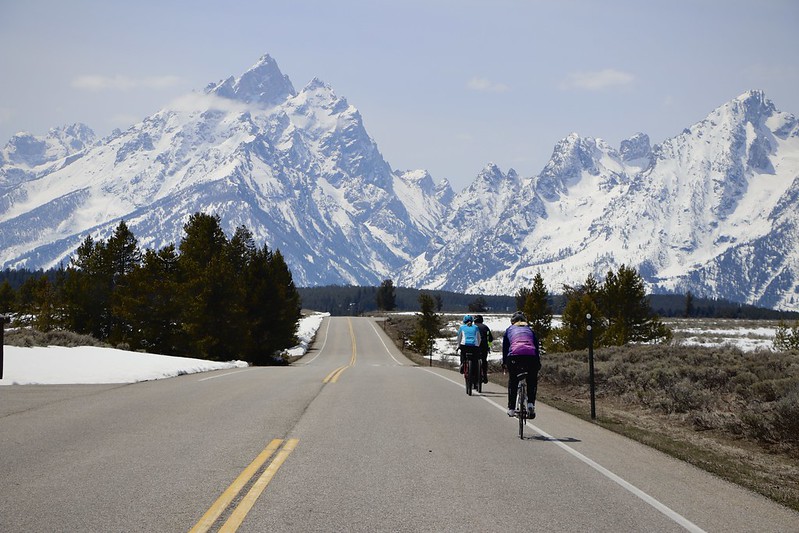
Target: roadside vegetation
x=731, y=412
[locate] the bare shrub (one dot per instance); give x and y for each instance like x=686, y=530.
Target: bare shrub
x=28, y=337
x=743, y=394
x=786, y=416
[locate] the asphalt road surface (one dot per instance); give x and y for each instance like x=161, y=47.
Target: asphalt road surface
x=352, y=437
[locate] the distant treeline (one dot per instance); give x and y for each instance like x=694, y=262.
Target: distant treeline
x=341, y=300
x=353, y=300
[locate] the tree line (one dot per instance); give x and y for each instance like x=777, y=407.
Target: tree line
x=212, y=297
x=619, y=311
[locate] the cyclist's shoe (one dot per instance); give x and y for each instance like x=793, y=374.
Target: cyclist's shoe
x=461, y=370
x=530, y=410
x=485, y=379
x=511, y=412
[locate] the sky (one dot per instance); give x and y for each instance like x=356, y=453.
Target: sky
x=448, y=86
x=55, y=365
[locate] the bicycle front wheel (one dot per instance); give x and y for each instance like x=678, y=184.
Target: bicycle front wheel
x=521, y=409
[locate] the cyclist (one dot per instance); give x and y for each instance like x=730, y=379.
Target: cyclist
x=520, y=353
x=485, y=346
x=468, y=339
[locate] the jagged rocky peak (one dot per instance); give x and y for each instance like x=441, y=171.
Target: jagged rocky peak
x=636, y=147
x=571, y=154
x=491, y=175
x=263, y=83
x=754, y=105
x=25, y=148
x=444, y=192
x=417, y=178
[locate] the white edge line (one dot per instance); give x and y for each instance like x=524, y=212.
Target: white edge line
x=673, y=515
x=222, y=375
x=384, y=343
x=327, y=329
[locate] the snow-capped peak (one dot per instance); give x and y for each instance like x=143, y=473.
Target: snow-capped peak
x=263, y=84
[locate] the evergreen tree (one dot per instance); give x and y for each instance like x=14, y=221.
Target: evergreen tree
x=386, y=297
x=479, y=305
x=96, y=270
x=537, y=309
x=38, y=303
x=287, y=306
x=7, y=297
x=87, y=291
x=625, y=305
x=428, y=324
x=521, y=297
x=121, y=257
x=580, y=301
x=149, y=303
x=212, y=307
x=689, y=305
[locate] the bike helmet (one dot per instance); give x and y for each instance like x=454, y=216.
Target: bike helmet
x=478, y=319
x=518, y=316
x=467, y=319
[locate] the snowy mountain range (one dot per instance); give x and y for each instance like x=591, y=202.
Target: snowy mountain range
x=713, y=210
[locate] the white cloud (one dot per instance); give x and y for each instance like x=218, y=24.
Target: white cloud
x=597, y=80
x=98, y=82
x=486, y=86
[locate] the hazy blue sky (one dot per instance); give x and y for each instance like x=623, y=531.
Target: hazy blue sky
x=443, y=85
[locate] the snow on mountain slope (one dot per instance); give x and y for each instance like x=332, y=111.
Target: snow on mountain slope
x=713, y=210
x=298, y=169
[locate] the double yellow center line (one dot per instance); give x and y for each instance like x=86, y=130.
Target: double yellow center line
x=335, y=374
x=245, y=505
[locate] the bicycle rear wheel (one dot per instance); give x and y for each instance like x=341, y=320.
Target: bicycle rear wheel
x=467, y=375
x=479, y=375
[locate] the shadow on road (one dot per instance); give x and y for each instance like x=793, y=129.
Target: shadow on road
x=553, y=439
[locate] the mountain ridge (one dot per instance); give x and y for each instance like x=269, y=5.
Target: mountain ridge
x=298, y=168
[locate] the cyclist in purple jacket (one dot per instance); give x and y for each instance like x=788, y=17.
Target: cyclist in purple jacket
x=520, y=353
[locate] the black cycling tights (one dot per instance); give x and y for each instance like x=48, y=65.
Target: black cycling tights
x=517, y=365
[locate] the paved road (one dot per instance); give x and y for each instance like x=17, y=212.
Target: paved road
x=353, y=437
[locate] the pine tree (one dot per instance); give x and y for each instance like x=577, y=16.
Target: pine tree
x=625, y=305
x=212, y=305
x=386, y=297
x=537, y=309
x=149, y=303
x=87, y=291
x=580, y=301
x=428, y=324
x=7, y=297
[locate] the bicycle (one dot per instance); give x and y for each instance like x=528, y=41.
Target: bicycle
x=472, y=373
x=521, y=403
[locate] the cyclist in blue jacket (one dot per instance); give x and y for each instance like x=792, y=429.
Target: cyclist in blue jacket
x=521, y=353
x=468, y=339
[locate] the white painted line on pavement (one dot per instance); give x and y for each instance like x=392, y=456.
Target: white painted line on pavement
x=673, y=515
x=222, y=375
x=384, y=344
x=327, y=329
